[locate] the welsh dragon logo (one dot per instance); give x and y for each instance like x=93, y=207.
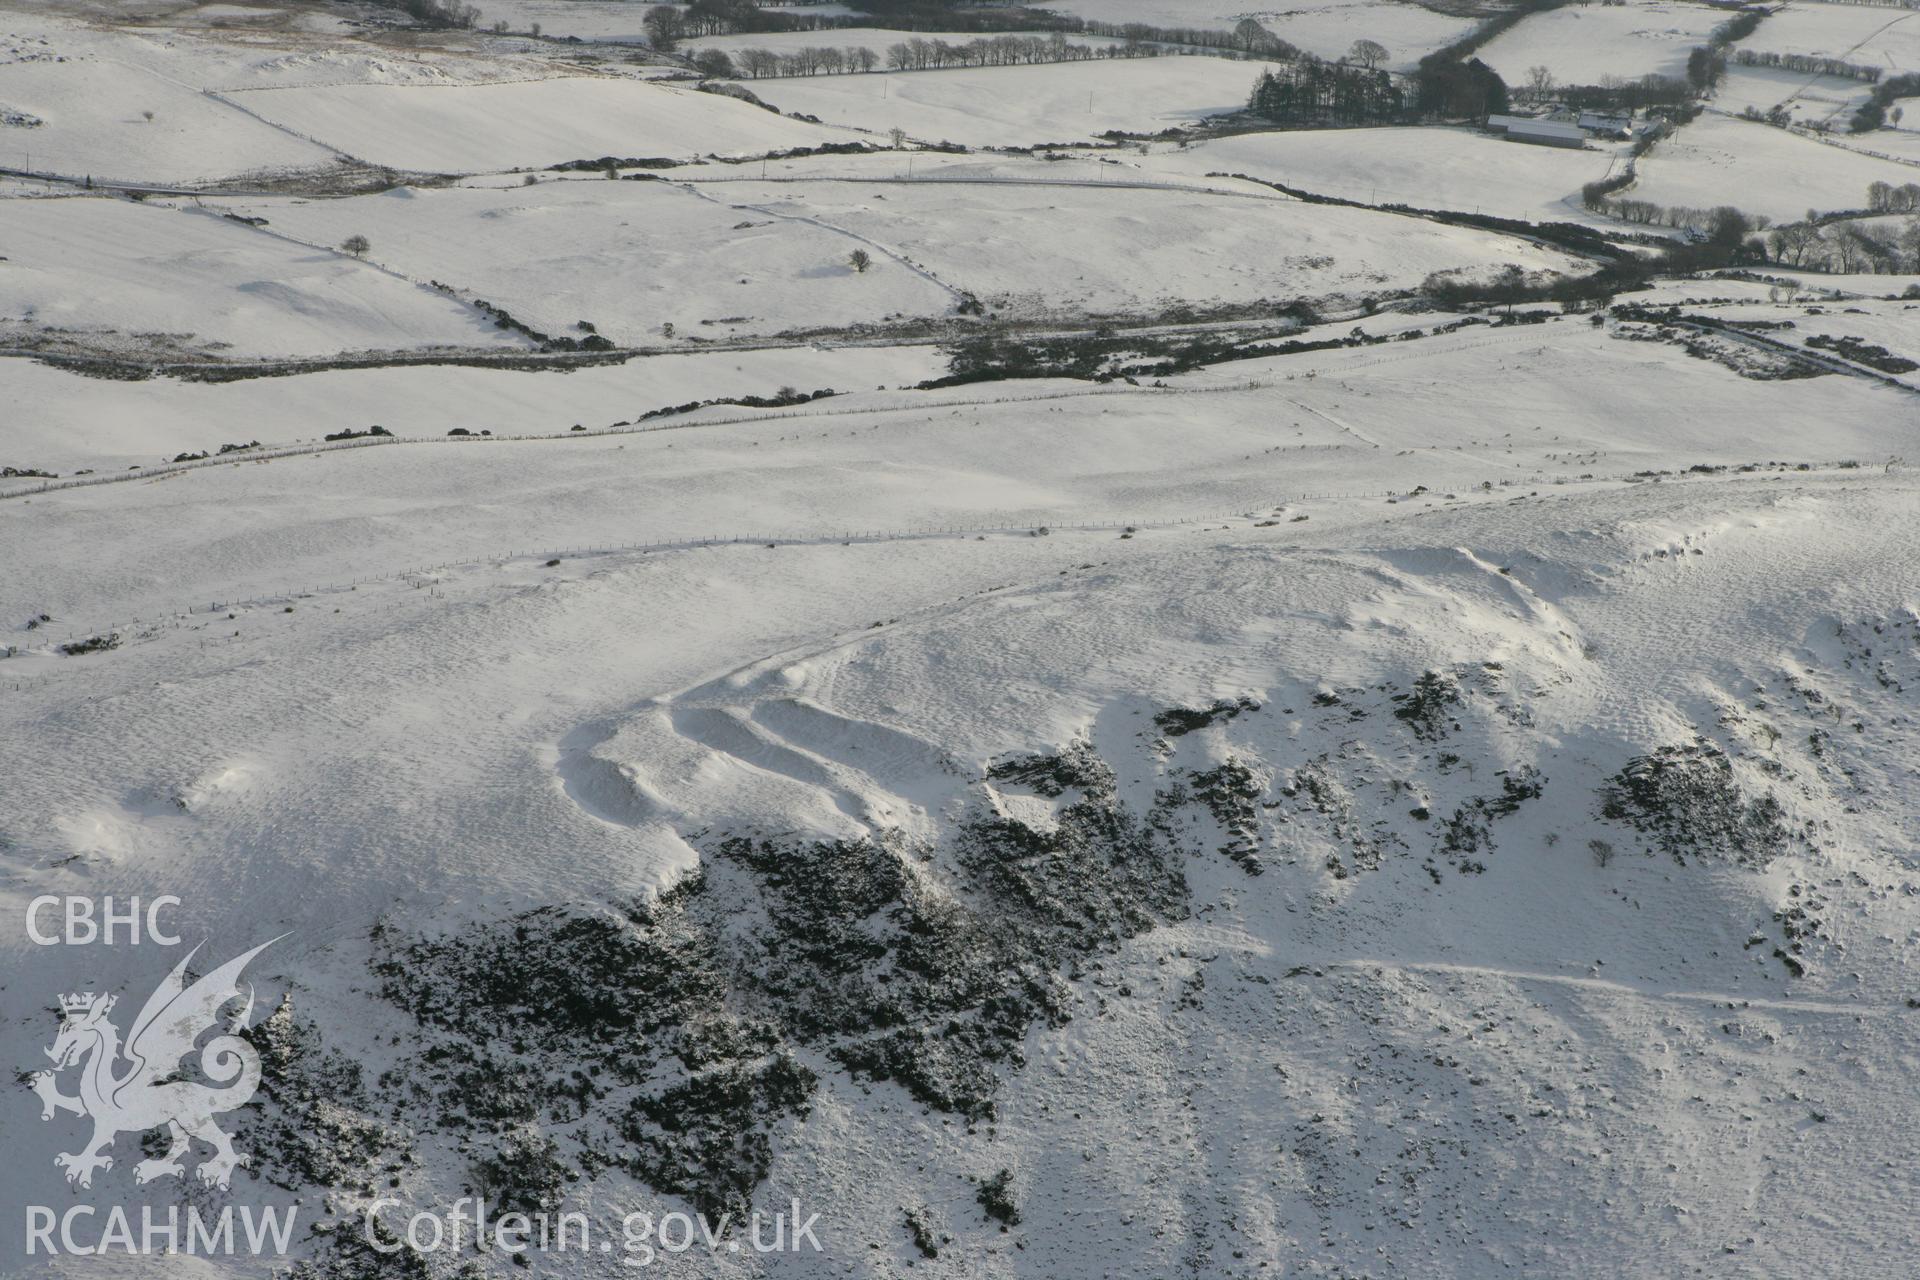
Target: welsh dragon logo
x=147, y=1092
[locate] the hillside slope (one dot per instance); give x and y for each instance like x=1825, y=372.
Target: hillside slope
x=1433, y=895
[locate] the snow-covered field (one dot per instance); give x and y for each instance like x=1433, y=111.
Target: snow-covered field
x=1463, y=169
x=1024, y=106
x=628, y=257
x=102, y=425
x=1327, y=28
x=1900, y=144
x=482, y=128
x=193, y=279
x=722, y=253
x=1865, y=34
x=97, y=123
x=1585, y=44
x=1809, y=99
x=167, y=104
x=1068, y=715
x=1720, y=160
x=621, y=20
x=1045, y=248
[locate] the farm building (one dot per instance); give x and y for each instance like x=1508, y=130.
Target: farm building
x=1608, y=125
x=1544, y=133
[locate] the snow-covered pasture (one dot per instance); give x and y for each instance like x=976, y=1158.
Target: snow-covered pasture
x=1329, y=28
x=187, y=52
x=1324, y=27
x=1022, y=106
x=149, y=275
x=1571, y=398
x=1872, y=35
x=486, y=128
x=1719, y=160
x=1809, y=99
x=1382, y=417
x=62, y=422
x=141, y=103
x=1427, y=168
x=1584, y=44
x=96, y=122
x=1068, y=249
x=621, y=20
x=1900, y=144
x=628, y=257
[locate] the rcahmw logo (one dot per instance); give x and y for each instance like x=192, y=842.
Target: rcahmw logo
x=135, y=1085
x=86, y=1231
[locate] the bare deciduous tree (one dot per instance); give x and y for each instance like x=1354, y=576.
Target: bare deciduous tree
x=715, y=63
x=1368, y=53
x=664, y=25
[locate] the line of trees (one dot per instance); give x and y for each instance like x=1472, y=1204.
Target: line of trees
x=911, y=55
x=810, y=61
x=1001, y=51
x=1722, y=224
x=1807, y=63
x=1847, y=247
x=1884, y=197
x=1820, y=242
x=1613, y=93
x=1247, y=36
x=668, y=25
x=1707, y=63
